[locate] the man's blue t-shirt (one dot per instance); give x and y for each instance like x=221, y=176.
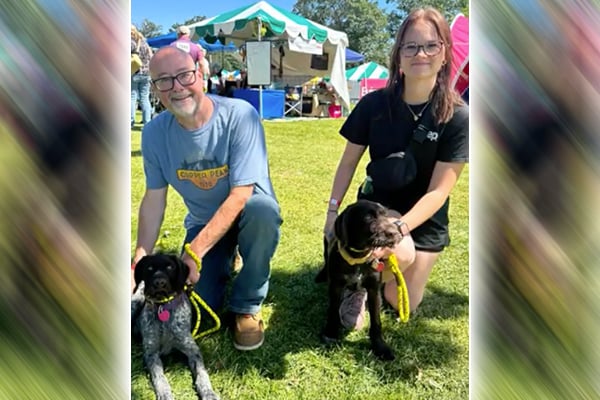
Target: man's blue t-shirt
x=203, y=165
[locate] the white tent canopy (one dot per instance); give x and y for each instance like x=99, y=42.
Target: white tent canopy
x=367, y=70
x=241, y=24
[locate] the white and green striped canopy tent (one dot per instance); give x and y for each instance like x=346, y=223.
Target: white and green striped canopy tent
x=278, y=24
x=368, y=70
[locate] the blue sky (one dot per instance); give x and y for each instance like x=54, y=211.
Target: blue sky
x=167, y=13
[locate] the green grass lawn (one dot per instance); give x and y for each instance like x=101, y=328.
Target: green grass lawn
x=432, y=350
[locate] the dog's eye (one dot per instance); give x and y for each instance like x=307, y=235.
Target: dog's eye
x=150, y=268
x=169, y=267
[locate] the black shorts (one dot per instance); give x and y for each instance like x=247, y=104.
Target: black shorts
x=431, y=237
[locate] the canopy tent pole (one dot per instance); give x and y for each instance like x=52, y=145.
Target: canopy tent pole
x=260, y=99
x=366, y=82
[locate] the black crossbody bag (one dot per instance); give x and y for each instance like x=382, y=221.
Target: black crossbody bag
x=395, y=171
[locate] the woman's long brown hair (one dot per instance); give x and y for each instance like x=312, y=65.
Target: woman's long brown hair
x=443, y=98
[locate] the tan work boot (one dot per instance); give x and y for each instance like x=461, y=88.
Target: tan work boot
x=249, y=332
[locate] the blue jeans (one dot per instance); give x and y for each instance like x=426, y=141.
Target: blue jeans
x=140, y=89
x=256, y=232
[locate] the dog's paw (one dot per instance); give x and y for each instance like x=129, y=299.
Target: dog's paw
x=327, y=338
x=331, y=334
x=383, y=352
x=209, y=396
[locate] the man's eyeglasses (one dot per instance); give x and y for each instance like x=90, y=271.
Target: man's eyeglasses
x=411, y=49
x=166, y=83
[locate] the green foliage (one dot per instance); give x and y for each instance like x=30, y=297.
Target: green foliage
x=362, y=20
x=149, y=29
x=449, y=8
x=227, y=61
x=370, y=29
x=432, y=348
x=190, y=21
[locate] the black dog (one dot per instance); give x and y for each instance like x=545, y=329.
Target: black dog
x=359, y=229
x=162, y=312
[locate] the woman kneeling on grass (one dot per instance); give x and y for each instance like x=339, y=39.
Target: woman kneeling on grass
x=420, y=126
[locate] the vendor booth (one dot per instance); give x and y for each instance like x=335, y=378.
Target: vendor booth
x=300, y=47
x=459, y=73
x=273, y=101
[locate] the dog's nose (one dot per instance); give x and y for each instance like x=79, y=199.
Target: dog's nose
x=160, y=283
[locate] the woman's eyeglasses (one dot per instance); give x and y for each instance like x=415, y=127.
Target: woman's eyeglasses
x=431, y=48
x=166, y=83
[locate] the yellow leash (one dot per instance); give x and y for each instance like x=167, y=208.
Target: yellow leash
x=403, y=302
x=197, y=302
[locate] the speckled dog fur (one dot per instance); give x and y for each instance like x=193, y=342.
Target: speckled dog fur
x=157, y=277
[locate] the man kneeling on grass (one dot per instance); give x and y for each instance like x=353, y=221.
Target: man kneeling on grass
x=212, y=151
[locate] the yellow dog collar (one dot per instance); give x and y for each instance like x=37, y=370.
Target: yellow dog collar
x=351, y=260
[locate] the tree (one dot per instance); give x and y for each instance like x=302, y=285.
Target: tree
x=190, y=21
x=149, y=29
x=449, y=8
x=362, y=20
x=227, y=61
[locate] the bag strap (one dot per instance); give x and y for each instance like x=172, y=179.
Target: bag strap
x=424, y=127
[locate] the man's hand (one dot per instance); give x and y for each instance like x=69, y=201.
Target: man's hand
x=194, y=274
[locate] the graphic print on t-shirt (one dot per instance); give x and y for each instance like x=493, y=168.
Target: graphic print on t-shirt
x=205, y=179
x=203, y=173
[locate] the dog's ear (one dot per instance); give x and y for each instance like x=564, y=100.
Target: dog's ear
x=182, y=271
x=140, y=270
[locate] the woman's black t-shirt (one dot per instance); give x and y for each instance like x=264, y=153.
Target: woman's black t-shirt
x=387, y=129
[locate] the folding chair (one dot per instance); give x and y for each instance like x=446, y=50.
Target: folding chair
x=293, y=100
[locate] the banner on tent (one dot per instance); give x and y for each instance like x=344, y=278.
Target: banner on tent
x=369, y=85
x=301, y=45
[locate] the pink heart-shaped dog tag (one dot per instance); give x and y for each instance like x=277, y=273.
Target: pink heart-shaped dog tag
x=164, y=315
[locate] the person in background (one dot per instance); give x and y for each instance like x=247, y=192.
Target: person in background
x=386, y=121
x=242, y=81
x=140, y=81
x=212, y=151
x=204, y=66
x=184, y=43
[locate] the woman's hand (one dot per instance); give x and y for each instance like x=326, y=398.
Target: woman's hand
x=329, y=222
x=382, y=253
x=405, y=252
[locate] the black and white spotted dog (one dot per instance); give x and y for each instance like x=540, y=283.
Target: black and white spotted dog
x=162, y=313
